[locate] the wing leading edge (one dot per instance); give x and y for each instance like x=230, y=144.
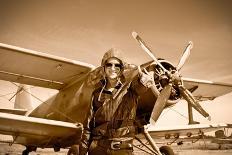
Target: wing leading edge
x=39, y=69
x=16, y=125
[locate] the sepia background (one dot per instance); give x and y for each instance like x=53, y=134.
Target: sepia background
x=84, y=30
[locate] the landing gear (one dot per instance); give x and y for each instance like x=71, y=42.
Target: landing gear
x=166, y=150
x=28, y=150
x=74, y=150
x=151, y=141
x=56, y=149
x=163, y=150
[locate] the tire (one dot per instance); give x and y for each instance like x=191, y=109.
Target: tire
x=166, y=150
x=74, y=150
x=25, y=152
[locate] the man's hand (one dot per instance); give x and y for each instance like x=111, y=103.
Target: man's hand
x=146, y=78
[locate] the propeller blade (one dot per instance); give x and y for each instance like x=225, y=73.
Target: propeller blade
x=161, y=102
x=185, y=55
x=147, y=50
x=187, y=95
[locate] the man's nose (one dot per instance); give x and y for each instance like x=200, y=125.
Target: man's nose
x=113, y=67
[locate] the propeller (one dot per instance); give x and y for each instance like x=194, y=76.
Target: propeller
x=161, y=102
x=187, y=95
x=174, y=79
x=185, y=56
x=147, y=49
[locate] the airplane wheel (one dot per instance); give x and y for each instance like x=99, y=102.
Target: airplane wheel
x=28, y=150
x=25, y=152
x=166, y=150
x=74, y=150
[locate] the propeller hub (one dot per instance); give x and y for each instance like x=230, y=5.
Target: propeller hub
x=164, y=80
x=176, y=78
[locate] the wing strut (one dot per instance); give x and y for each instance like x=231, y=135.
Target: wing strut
x=190, y=115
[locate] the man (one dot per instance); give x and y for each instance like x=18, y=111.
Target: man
x=110, y=125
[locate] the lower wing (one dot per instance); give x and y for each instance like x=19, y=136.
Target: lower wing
x=185, y=130
x=16, y=125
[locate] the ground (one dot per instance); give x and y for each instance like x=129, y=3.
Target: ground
x=187, y=149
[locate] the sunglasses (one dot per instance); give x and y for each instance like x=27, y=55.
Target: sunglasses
x=109, y=65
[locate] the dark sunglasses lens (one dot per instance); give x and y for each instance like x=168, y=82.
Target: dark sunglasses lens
x=109, y=65
x=118, y=65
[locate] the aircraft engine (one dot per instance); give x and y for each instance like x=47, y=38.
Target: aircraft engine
x=168, y=81
x=161, y=80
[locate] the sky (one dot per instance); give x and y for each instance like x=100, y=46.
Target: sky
x=84, y=30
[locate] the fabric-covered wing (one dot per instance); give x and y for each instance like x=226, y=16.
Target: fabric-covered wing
x=17, y=125
x=206, y=90
x=39, y=69
x=185, y=130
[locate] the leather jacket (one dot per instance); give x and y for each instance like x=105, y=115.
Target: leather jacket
x=111, y=114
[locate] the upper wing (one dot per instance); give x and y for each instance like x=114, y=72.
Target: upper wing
x=206, y=90
x=39, y=69
x=11, y=124
x=186, y=130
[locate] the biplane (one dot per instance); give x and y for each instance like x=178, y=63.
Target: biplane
x=57, y=122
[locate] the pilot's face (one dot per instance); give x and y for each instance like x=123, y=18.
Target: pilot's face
x=112, y=68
